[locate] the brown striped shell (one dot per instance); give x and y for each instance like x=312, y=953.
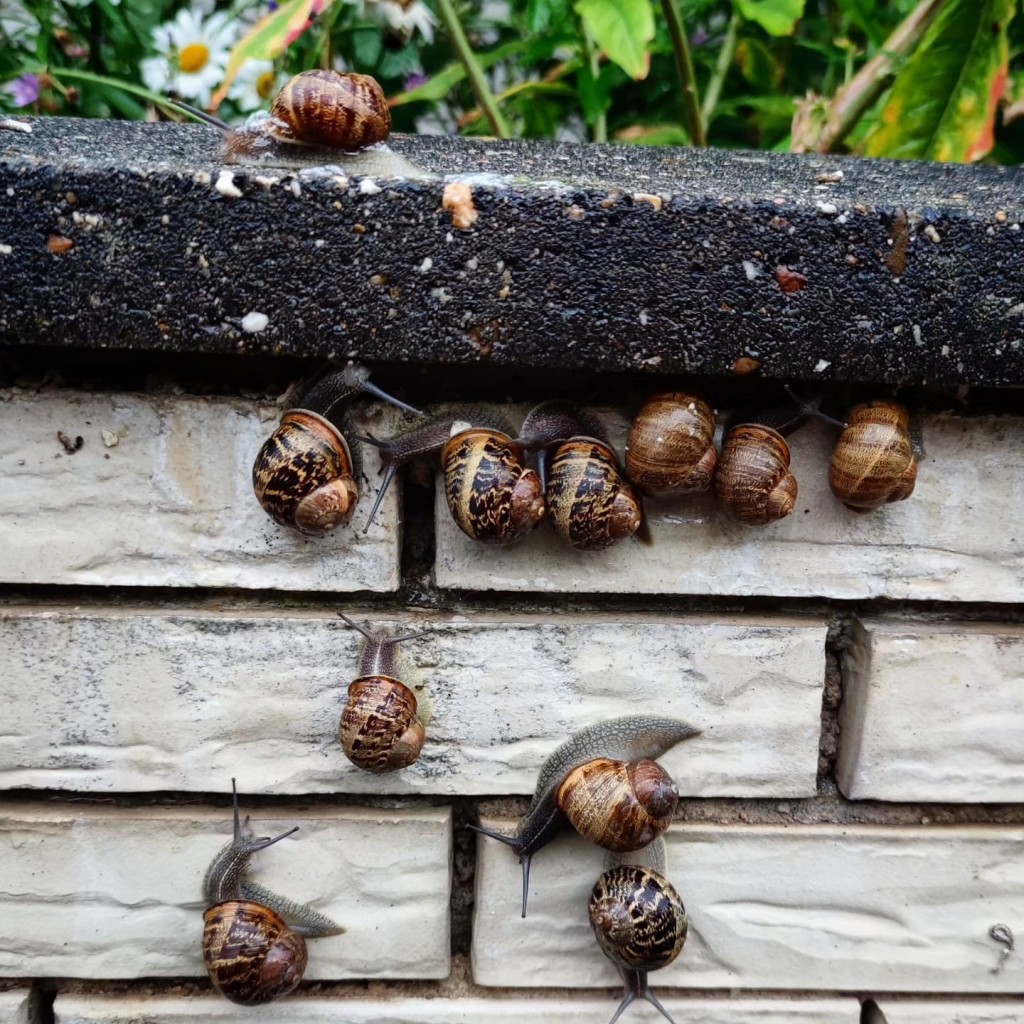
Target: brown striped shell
x=671, y=444
x=328, y=108
x=251, y=955
x=379, y=729
x=491, y=494
x=873, y=462
x=638, y=918
x=302, y=475
x=618, y=805
x=753, y=479
x=590, y=503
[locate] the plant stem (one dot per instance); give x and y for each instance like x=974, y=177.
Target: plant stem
x=722, y=65
x=854, y=99
x=599, y=133
x=684, y=68
x=112, y=83
x=474, y=72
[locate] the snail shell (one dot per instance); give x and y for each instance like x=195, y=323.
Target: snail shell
x=251, y=955
x=619, y=805
x=873, y=462
x=303, y=474
x=328, y=108
x=491, y=494
x=590, y=503
x=671, y=444
x=379, y=729
x=753, y=478
x=638, y=918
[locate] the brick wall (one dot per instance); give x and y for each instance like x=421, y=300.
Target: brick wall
x=852, y=823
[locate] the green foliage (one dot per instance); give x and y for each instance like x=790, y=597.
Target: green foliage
x=769, y=73
x=943, y=104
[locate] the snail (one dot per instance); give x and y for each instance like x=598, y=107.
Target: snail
x=603, y=782
x=491, y=494
x=305, y=474
x=317, y=116
x=873, y=462
x=251, y=955
x=753, y=479
x=589, y=501
x=379, y=730
x=671, y=444
x=640, y=924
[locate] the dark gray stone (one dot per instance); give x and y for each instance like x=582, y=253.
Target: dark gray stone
x=598, y=257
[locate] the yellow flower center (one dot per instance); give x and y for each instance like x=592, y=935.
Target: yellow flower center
x=193, y=57
x=265, y=84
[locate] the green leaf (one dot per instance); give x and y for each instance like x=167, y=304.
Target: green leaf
x=757, y=65
x=439, y=85
x=776, y=17
x=653, y=135
x=943, y=105
x=622, y=29
x=269, y=38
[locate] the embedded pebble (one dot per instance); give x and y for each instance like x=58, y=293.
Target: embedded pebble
x=226, y=185
x=253, y=323
x=110, y=439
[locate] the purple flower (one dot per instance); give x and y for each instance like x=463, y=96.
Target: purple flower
x=25, y=90
x=415, y=81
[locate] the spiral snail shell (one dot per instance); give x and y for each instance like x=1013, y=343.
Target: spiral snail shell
x=379, y=729
x=622, y=801
x=251, y=955
x=305, y=473
x=491, y=494
x=873, y=462
x=671, y=444
x=753, y=479
x=640, y=924
x=589, y=501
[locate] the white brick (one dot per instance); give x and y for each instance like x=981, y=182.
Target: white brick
x=117, y=893
x=948, y=542
x=911, y=1012
x=211, y=1010
x=18, y=1007
x=804, y=907
x=933, y=712
x=170, y=505
x=123, y=701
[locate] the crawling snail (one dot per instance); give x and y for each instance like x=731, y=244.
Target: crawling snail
x=753, y=479
x=251, y=955
x=640, y=924
x=318, y=116
x=589, y=502
x=305, y=474
x=603, y=782
x=873, y=462
x=671, y=444
x=491, y=494
x=379, y=729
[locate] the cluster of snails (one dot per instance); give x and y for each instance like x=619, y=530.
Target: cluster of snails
x=251, y=953
x=671, y=447
x=604, y=783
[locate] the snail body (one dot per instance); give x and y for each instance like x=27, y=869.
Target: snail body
x=640, y=924
x=251, y=954
x=379, y=729
x=873, y=462
x=491, y=494
x=624, y=799
x=589, y=501
x=305, y=473
x=671, y=444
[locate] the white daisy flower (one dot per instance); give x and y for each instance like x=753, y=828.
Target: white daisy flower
x=405, y=16
x=255, y=85
x=193, y=55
